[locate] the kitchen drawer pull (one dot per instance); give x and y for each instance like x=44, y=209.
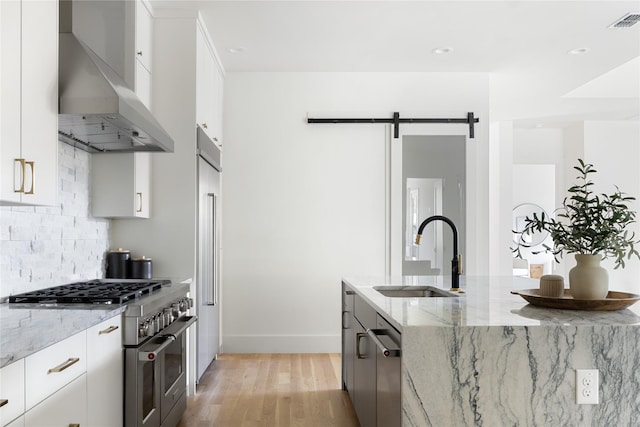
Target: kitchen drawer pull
x=33, y=177
x=386, y=352
x=349, y=293
x=204, y=125
x=22, y=175
x=359, y=336
x=74, y=425
x=64, y=365
x=3, y=402
x=108, y=330
x=139, y=202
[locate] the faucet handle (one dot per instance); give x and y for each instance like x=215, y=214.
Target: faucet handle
x=418, y=238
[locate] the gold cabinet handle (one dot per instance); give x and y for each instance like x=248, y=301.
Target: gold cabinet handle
x=33, y=177
x=215, y=139
x=22, y=166
x=3, y=402
x=139, y=202
x=204, y=125
x=108, y=330
x=74, y=425
x=64, y=365
x=139, y=53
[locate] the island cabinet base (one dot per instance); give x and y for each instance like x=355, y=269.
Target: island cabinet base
x=368, y=385
x=518, y=375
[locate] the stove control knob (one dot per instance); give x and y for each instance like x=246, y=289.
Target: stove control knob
x=190, y=302
x=142, y=330
x=157, y=322
x=151, y=330
x=168, y=316
x=175, y=310
x=184, y=305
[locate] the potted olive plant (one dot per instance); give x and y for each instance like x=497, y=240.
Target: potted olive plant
x=591, y=226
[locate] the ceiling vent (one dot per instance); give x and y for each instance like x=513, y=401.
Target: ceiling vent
x=628, y=20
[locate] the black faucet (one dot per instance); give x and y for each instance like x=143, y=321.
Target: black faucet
x=456, y=261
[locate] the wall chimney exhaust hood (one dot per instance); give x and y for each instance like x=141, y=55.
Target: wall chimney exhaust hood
x=97, y=111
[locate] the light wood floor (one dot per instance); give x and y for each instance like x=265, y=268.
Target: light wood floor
x=271, y=390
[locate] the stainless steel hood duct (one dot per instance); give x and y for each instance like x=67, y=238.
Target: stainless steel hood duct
x=97, y=111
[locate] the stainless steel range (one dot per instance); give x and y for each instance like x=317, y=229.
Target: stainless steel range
x=155, y=382
x=155, y=320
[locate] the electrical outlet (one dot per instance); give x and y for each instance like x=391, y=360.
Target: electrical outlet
x=587, y=387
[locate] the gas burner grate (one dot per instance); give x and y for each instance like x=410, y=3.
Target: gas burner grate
x=91, y=292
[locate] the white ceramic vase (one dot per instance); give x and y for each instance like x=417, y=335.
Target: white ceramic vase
x=588, y=280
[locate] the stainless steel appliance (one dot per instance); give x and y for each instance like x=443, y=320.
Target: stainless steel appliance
x=388, y=373
x=208, y=263
x=155, y=320
x=155, y=356
x=98, y=112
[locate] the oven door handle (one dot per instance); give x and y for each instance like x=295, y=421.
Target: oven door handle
x=150, y=356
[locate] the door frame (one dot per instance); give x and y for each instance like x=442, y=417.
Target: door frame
x=393, y=193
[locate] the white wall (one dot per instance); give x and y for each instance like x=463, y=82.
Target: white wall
x=500, y=197
x=614, y=150
x=304, y=204
x=47, y=246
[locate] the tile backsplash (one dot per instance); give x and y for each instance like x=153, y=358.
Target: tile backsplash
x=47, y=246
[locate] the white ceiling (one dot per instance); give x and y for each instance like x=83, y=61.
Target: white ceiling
x=523, y=44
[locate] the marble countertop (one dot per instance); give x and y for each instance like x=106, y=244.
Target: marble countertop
x=25, y=330
x=487, y=301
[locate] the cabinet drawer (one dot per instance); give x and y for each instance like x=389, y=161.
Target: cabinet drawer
x=52, y=368
x=12, y=391
x=67, y=407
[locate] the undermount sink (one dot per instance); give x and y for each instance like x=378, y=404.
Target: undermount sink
x=414, y=292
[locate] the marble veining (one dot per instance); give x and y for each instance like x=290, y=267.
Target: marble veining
x=488, y=358
x=524, y=376
x=26, y=330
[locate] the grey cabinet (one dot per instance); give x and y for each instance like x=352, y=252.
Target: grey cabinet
x=388, y=374
x=371, y=362
x=359, y=357
x=348, y=340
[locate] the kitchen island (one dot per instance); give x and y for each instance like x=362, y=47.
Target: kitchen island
x=489, y=358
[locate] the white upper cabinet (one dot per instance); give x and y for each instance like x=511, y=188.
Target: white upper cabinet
x=29, y=102
x=121, y=185
x=144, y=34
x=209, y=87
x=121, y=33
x=143, y=51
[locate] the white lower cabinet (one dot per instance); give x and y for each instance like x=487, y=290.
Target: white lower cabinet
x=75, y=382
x=67, y=407
x=104, y=373
x=11, y=392
x=54, y=367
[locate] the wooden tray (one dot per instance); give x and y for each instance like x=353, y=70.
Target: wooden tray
x=614, y=301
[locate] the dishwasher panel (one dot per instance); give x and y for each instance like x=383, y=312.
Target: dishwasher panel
x=388, y=357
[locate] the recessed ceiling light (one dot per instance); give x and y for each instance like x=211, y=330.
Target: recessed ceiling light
x=235, y=49
x=579, y=51
x=442, y=50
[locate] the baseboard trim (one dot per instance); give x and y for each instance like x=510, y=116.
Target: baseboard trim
x=282, y=343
